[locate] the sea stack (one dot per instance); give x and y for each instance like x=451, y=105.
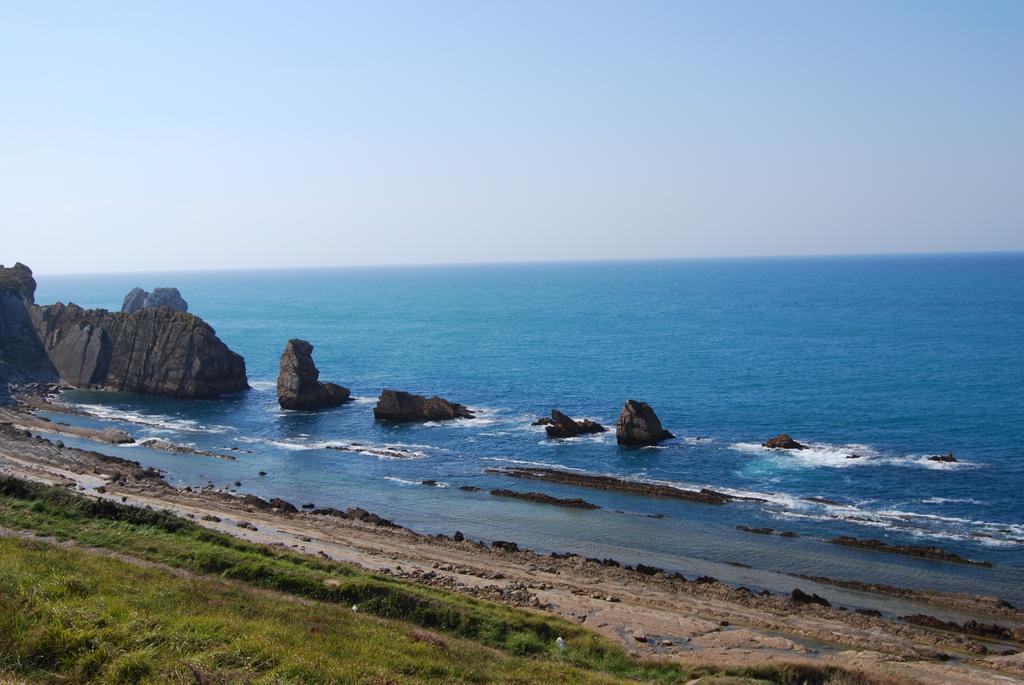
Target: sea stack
x=403, y=407
x=782, y=441
x=562, y=426
x=639, y=425
x=298, y=384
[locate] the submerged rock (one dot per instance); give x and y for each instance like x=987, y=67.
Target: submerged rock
x=562, y=426
x=155, y=350
x=639, y=425
x=782, y=441
x=137, y=298
x=403, y=407
x=298, y=384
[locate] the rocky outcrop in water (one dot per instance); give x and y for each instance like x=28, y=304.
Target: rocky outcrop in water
x=22, y=357
x=944, y=458
x=154, y=350
x=562, y=426
x=639, y=425
x=298, y=384
x=138, y=298
x=782, y=441
x=403, y=407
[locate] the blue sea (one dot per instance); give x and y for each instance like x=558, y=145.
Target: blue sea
x=893, y=358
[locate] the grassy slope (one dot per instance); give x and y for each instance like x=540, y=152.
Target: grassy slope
x=69, y=614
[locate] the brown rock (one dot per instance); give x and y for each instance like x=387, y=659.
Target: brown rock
x=639, y=425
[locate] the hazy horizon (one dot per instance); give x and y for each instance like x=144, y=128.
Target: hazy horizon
x=536, y=262
x=250, y=135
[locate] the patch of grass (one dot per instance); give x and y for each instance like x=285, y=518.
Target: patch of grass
x=98, y=619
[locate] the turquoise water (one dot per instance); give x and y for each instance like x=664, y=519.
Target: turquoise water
x=892, y=358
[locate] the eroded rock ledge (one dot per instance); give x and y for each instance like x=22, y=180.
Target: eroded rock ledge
x=610, y=483
x=935, y=553
x=542, y=498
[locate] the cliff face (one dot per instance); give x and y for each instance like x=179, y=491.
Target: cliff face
x=22, y=357
x=154, y=350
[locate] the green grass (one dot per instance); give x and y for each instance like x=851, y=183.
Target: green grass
x=68, y=614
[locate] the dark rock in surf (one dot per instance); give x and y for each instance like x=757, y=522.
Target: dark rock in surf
x=639, y=425
x=403, y=407
x=944, y=458
x=562, y=426
x=298, y=384
x=782, y=441
x=137, y=298
x=543, y=421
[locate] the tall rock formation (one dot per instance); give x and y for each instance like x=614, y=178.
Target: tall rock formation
x=22, y=357
x=154, y=350
x=298, y=384
x=404, y=407
x=639, y=425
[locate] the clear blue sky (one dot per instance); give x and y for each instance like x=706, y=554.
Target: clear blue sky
x=189, y=135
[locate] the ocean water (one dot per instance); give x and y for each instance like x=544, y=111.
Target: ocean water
x=891, y=358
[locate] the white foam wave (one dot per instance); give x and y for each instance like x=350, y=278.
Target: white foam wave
x=403, y=481
x=539, y=464
x=826, y=455
x=155, y=422
x=952, y=500
x=263, y=385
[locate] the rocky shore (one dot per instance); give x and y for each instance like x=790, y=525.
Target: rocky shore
x=697, y=620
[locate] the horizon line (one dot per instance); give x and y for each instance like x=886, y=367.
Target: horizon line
x=529, y=262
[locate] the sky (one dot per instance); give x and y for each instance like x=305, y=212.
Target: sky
x=142, y=136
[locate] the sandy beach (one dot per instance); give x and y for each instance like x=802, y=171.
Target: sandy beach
x=693, y=621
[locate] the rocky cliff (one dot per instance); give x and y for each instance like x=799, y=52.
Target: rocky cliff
x=153, y=350
x=22, y=358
